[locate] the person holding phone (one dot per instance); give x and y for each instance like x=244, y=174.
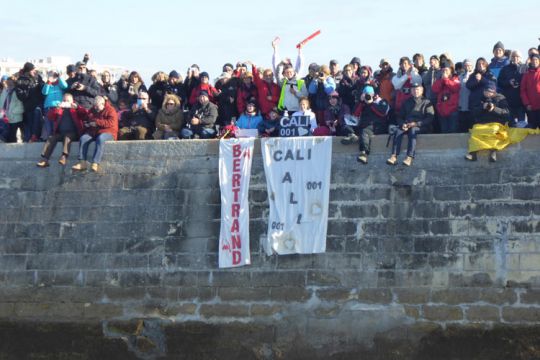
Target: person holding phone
x=139, y=123
x=100, y=124
x=66, y=126
x=54, y=90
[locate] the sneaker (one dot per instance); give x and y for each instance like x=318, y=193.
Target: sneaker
x=33, y=139
x=493, y=156
x=42, y=163
x=95, y=167
x=471, y=156
x=392, y=160
x=408, y=161
x=63, y=160
x=362, y=158
x=80, y=166
x=349, y=139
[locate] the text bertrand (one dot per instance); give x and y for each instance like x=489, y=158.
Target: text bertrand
x=236, y=242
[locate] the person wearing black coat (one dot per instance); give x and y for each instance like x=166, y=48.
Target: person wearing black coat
x=175, y=86
x=415, y=116
x=372, y=112
x=493, y=108
x=28, y=90
x=478, y=81
x=510, y=84
x=139, y=122
x=227, y=108
x=346, y=86
x=158, y=90
x=83, y=87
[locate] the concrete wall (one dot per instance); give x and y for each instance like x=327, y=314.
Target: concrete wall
x=440, y=260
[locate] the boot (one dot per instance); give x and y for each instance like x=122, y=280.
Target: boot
x=95, y=167
x=362, y=158
x=42, y=163
x=392, y=160
x=408, y=161
x=471, y=156
x=63, y=159
x=352, y=138
x=80, y=166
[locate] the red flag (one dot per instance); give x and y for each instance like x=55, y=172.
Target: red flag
x=303, y=42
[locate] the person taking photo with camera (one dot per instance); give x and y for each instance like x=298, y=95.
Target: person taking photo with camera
x=492, y=109
x=83, y=87
x=66, y=126
x=320, y=89
x=372, y=112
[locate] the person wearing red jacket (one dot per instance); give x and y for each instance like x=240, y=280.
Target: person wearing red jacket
x=203, y=86
x=530, y=91
x=67, y=125
x=100, y=124
x=447, y=89
x=246, y=91
x=267, y=90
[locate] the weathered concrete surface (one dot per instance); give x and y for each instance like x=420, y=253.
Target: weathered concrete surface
x=437, y=261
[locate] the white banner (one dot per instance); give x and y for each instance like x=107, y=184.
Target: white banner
x=298, y=178
x=235, y=158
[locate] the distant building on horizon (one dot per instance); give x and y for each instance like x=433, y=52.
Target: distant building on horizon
x=9, y=66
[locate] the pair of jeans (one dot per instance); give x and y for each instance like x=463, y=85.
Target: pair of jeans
x=203, y=132
x=85, y=142
x=411, y=137
x=449, y=124
x=366, y=134
x=33, y=122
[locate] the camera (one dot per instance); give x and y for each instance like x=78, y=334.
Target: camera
x=368, y=97
x=321, y=74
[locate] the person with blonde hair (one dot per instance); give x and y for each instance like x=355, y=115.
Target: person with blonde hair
x=158, y=89
x=170, y=118
x=107, y=88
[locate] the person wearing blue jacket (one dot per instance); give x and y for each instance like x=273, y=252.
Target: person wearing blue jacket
x=54, y=91
x=250, y=118
x=499, y=60
x=320, y=89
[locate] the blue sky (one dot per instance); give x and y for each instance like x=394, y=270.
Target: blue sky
x=162, y=35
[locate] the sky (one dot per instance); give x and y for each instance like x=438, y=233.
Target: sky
x=154, y=35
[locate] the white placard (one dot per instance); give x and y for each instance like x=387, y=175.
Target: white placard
x=235, y=158
x=298, y=178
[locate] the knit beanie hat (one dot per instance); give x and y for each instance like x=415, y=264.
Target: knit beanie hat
x=498, y=45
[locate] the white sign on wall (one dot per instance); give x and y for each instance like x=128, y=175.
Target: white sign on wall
x=298, y=178
x=235, y=158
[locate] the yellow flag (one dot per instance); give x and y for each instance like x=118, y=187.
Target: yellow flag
x=495, y=136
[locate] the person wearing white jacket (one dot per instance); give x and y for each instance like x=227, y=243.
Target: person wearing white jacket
x=402, y=81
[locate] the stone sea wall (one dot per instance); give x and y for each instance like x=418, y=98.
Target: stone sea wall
x=437, y=261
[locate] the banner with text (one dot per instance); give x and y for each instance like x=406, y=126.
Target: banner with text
x=235, y=158
x=298, y=178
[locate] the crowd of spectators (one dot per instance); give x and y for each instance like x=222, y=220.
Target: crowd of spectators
x=356, y=102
